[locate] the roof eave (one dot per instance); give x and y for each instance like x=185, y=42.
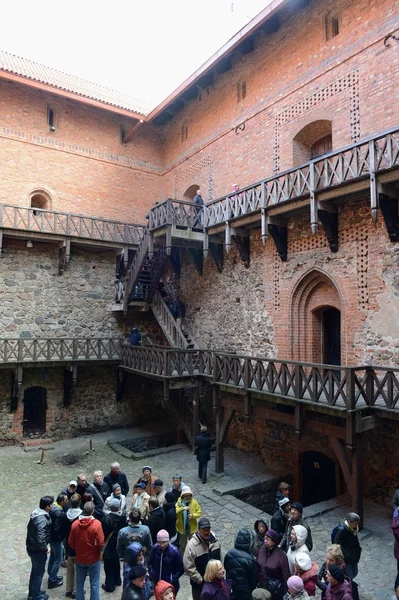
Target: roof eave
x=226, y=49
x=71, y=95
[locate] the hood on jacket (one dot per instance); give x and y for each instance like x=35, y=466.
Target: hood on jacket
x=85, y=521
x=257, y=523
x=161, y=587
x=342, y=588
x=37, y=512
x=245, y=540
x=301, y=535
x=73, y=513
x=312, y=572
x=132, y=552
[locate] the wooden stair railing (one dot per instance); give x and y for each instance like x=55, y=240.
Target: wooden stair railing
x=169, y=326
x=144, y=273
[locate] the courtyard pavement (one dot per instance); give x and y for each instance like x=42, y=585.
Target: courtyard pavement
x=23, y=481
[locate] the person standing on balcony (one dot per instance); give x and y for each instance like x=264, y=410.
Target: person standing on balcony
x=202, y=450
x=199, y=203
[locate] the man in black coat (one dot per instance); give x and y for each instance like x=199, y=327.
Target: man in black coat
x=37, y=540
x=169, y=509
x=155, y=520
x=101, y=492
x=58, y=523
x=116, y=476
x=240, y=565
x=112, y=524
x=202, y=450
x=281, y=516
x=84, y=490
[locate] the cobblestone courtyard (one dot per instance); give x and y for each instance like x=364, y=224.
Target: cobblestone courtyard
x=23, y=482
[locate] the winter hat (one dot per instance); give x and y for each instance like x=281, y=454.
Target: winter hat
x=146, y=468
x=157, y=483
x=140, y=485
x=303, y=561
x=116, y=486
x=204, y=429
x=261, y=594
x=73, y=482
x=136, y=572
x=336, y=572
x=283, y=502
x=169, y=497
x=295, y=583
x=203, y=522
x=115, y=504
x=298, y=506
x=186, y=490
x=270, y=533
x=162, y=536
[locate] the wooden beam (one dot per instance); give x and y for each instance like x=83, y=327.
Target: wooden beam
x=130, y=134
x=390, y=213
x=357, y=478
x=329, y=220
x=198, y=261
x=343, y=459
x=243, y=247
x=216, y=251
x=196, y=405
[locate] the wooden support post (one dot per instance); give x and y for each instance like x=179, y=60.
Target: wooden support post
x=1, y=241
x=373, y=182
x=227, y=242
x=219, y=462
x=247, y=407
x=150, y=246
x=357, y=478
x=196, y=402
x=205, y=244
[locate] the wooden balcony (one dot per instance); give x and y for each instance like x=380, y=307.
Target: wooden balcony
x=64, y=229
x=39, y=351
x=368, y=167
x=335, y=388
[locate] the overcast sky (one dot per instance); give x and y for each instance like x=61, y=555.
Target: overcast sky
x=146, y=49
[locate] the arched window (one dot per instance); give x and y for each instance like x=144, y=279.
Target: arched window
x=312, y=141
x=190, y=192
x=40, y=199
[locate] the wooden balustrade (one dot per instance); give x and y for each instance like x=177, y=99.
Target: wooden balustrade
x=37, y=220
x=346, y=388
x=34, y=350
x=375, y=155
x=134, y=269
x=167, y=322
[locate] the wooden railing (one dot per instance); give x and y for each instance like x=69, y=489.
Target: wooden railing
x=347, y=388
x=34, y=350
x=362, y=160
x=69, y=225
x=167, y=322
x=134, y=269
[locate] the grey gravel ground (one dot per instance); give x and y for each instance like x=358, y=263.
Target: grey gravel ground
x=23, y=482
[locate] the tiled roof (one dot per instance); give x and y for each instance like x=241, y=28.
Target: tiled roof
x=37, y=72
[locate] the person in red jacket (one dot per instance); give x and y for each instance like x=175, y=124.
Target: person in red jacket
x=307, y=570
x=87, y=539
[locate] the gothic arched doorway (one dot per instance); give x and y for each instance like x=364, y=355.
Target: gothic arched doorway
x=316, y=320
x=320, y=476
x=35, y=405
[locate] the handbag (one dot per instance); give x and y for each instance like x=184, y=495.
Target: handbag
x=275, y=587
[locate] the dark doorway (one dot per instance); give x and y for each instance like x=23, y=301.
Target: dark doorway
x=35, y=411
x=332, y=336
x=318, y=478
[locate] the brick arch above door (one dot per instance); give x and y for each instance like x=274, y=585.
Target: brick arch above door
x=313, y=293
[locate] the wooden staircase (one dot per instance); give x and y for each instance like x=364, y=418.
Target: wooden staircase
x=175, y=336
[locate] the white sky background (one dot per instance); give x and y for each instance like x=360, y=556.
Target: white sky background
x=146, y=49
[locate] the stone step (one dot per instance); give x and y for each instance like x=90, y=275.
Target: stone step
x=32, y=445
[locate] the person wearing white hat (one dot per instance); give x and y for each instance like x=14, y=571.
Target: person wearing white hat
x=297, y=543
x=307, y=571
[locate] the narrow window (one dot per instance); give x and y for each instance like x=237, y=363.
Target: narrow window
x=184, y=132
x=122, y=134
x=51, y=118
x=241, y=90
x=332, y=25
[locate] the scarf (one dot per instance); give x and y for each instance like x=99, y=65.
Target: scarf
x=220, y=583
x=186, y=522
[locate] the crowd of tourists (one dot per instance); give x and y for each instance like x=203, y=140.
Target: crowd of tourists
x=147, y=542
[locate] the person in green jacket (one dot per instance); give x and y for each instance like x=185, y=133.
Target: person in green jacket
x=188, y=511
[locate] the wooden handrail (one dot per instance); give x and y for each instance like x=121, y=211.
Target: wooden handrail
x=37, y=350
x=348, y=164
x=167, y=322
x=345, y=388
x=37, y=220
x=135, y=268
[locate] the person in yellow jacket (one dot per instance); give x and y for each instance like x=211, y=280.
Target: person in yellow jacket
x=188, y=511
